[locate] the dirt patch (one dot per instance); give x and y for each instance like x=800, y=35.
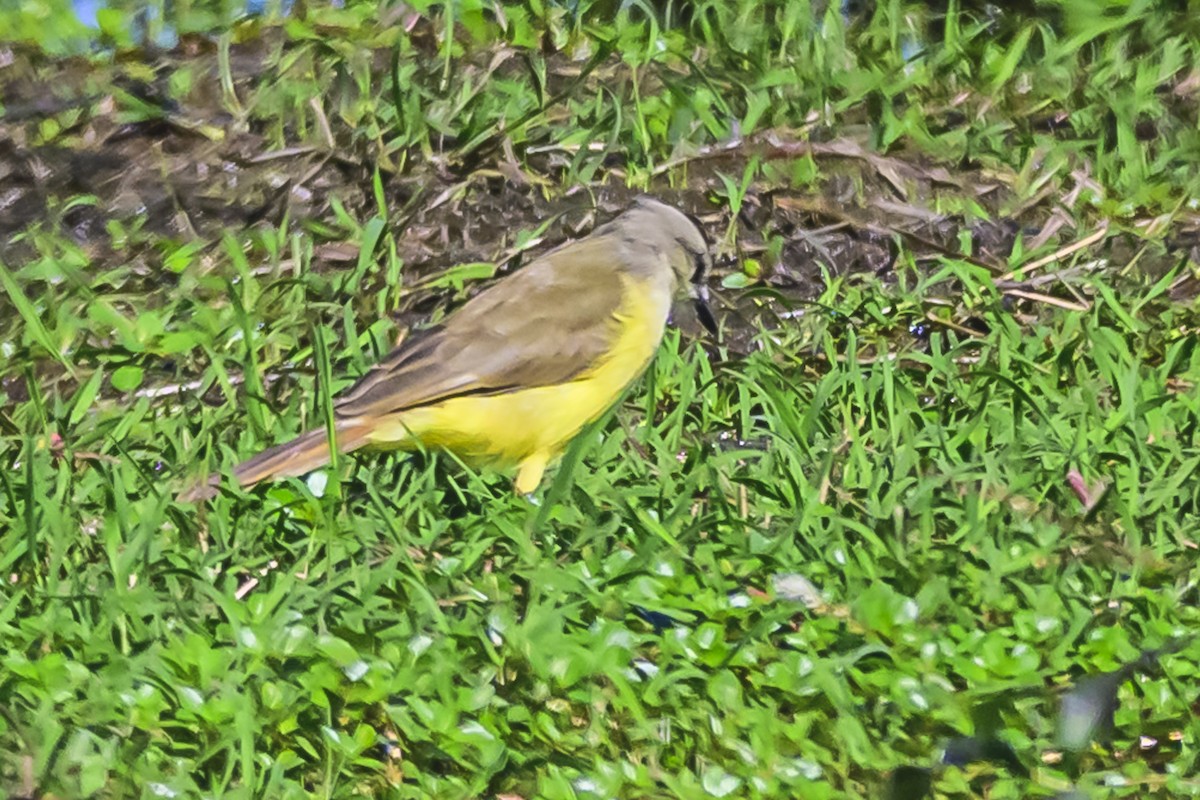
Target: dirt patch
x=185, y=171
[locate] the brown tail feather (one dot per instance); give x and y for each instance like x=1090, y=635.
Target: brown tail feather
x=301, y=455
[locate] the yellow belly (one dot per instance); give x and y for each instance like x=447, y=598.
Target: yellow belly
x=531, y=426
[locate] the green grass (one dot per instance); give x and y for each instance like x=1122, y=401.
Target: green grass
x=905, y=442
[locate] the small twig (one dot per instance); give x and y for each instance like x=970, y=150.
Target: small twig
x=813, y=240
x=153, y=392
x=86, y=455
x=287, y=152
x=826, y=210
x=447, y=194
x=1049, y=300
x=769, y=146
x=1059, y=254
x=1052, y=277
x=323, y=123
x=312, y=172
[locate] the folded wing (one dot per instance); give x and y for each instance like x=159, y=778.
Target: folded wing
x=549, y=323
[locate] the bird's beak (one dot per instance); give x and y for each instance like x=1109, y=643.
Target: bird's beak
x=699, y=293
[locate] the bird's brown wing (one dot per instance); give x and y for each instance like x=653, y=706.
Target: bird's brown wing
x=542, y=325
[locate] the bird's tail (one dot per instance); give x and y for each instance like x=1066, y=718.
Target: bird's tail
x=308, y=451
x=301, y=455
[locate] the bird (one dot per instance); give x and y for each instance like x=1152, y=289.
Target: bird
x=513, y=375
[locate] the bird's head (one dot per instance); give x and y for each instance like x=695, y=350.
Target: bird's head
x=682, y=241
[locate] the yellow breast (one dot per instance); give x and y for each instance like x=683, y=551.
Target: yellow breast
x=531, y=426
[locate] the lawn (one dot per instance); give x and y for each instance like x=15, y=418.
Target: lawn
x=921, y=521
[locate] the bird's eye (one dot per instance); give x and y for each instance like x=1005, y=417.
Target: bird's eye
x=701, y=268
